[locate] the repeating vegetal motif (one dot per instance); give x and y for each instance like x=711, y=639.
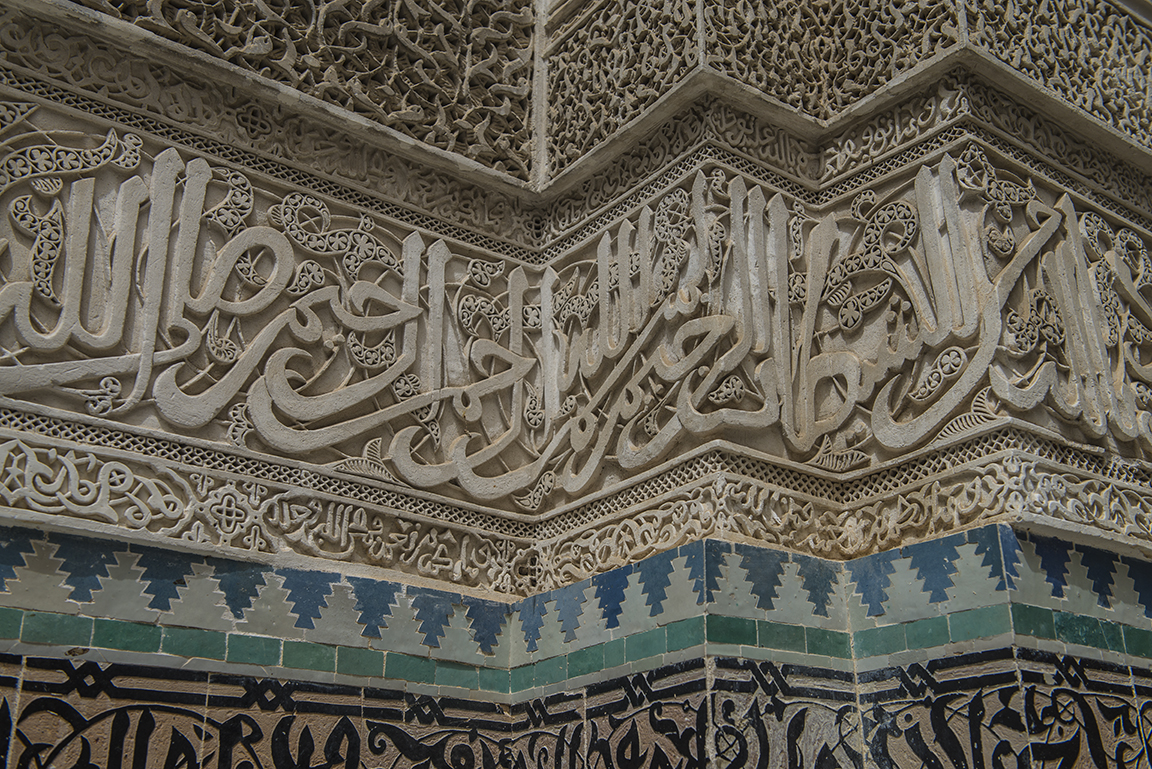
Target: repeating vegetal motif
x=610, y=65
x=455, y=75
x=823, y=58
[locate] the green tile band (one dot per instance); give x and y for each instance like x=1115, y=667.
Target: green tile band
x=190, y=642
x=253, y=650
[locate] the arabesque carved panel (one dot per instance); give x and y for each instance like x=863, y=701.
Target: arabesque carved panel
x=456, y=75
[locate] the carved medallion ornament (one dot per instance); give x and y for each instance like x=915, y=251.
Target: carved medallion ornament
x=832, y=345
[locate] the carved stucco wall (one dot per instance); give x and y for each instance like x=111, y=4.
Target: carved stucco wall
x=503, y=300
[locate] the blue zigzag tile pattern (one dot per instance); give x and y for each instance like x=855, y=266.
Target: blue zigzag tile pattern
x=916, y=582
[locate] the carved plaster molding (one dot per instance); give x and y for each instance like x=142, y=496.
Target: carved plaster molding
x=204, y=343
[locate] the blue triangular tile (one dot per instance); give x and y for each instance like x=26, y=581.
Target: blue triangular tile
x=308, y=592
x=84, y=561
x=1140, y=572
x=486, y=620
x=164, y=571
x=1054, y=555
x=1101, y=567
x=532, y=611
x=987, y=541
x=871, y=576
x=14, y=545
x=935, y=563
x=763, y=569
x=240, y=583
x=654, y=574
x=569, y=608
x=610, y=588
x=374, y=601
x=1012, y=554
x=705, y=567
x=433, y=609
x=819, y=578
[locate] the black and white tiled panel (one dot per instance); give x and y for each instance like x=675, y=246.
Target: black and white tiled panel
x=1000, y=708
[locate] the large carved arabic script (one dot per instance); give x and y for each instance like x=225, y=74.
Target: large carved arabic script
x=153, y=287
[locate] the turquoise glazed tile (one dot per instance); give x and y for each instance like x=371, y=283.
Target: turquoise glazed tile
x=56, y=629
x=126, y=636
x=614, y=653
x=495, y=680
x=979, y=623
x=457, y=675
x=686, y=633
x=586, y=661
x=191, y=642
x=1034, y=621
x=731, y=630
x=1138, y=641
x=353, y=661
x=828, y=643
x=522, y=678
x=10, y=621
x=776, y=635
x=878, y=641
x=253, y=650
x=1079, y=629
x=927, y=633
x=650, y=643
x=1113, y=636
x=405, y=667
x=551, y=671
x=309, y=656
